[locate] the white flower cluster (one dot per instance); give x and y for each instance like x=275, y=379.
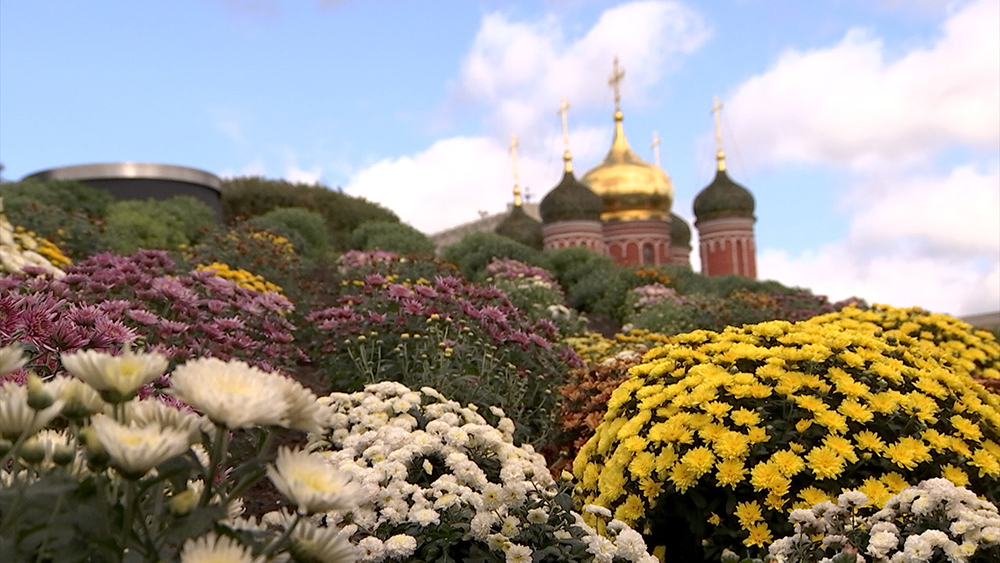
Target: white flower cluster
x=428, y=467
x=934, y=517
x=20, y=249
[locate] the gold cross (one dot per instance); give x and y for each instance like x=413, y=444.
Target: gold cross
x=563, y=111
x=615, y=82
x=656, y=148
x=719, y=155
x=513, y=153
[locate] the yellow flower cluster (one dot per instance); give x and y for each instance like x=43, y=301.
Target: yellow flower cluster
x=242, y=278
x=282, y=243
x=951, y=341
x=594, y=348
x=777, y=416
x=28, y=240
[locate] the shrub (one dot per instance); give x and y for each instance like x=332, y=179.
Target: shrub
x=391, y=237
x=476, y=250
x=465, y=340
x=447, y=483
x=70, y=196
x=246, y=197
x=723, y=433
x=157, y=224
x=304, y=228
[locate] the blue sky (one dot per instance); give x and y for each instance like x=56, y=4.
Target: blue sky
x=868, y=131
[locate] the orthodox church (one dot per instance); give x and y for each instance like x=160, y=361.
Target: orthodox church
x=622, y=208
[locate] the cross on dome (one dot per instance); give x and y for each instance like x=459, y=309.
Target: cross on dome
x=656, y=148
x=563, y=111
x=513, y=153
x=719, y=155
x=617, y=74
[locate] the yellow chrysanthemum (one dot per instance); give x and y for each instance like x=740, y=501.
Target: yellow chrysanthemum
x=955, y=475
x=825, y=462
x=730, y=445
x=748, y=513
x=730, y=472
x=868, y=440
x=968, y=429
x=788, y=462
x=743, y=417
x=986, y=462
x=812, y=496
x=699, y=460
x=642, y=464
x=854, y=410
x=760, y=535
x=908, y=452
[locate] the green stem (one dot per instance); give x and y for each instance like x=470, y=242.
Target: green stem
x=281, y=539
x=129, y=513
x=218, y=448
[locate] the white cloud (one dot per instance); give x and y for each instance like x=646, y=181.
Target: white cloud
x=520, y=69
x=848, y=105
x=956, y=216
x=941, y=284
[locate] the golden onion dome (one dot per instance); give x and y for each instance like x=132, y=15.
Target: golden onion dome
x=631, y=188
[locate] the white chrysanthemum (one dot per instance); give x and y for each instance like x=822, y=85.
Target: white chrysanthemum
x=630, y=545
x=370, y=549
x=425, y=516
x=322, y=545
x=601, y=548
x=81, y=399
x=518, y=554
x=881, y=543
x=217, y=549
x=304, y=410
x=11, y=358
x=233, y=394
x=400, y=546
x=135, y=449
x=538, y=516
x=16, y=416
x=151, y=411
x=310, y=483
x=116, y=378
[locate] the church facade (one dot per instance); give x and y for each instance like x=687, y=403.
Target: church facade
x=622, y=208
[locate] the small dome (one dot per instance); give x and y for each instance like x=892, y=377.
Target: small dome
x=723, y=198
x=518, y=226
x=630, y=187
x=680, y=232
x=571, y=200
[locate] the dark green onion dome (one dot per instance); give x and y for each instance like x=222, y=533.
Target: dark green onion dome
x=723, y=198
x=680, y=232
x=571, y=200
x=518, y=226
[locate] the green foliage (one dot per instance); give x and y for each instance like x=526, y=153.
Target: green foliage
x=390, y=237
x=304, y=228
x=250, y=196
x=69, y=214
x=476, y=250
x=593, y=283
x=157, y=224
x=69, y=195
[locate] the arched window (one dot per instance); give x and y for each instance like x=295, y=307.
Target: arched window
x=648, y=256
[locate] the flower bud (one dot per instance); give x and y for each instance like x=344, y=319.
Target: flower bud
x=5, y=446
x=183, y=502
x=729, y=557
x=845, y=557
x=63, y=455
x=38, y=397
x=32, y=451
x=97, y=457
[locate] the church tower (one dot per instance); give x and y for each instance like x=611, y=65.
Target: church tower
x=571, y=212
x=725, y=219
x=518, y=225
x=636, y=197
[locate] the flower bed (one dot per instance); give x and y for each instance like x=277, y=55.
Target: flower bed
x=724, y=433
x=469, y=342
x=440, y=483
x=108, y=299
